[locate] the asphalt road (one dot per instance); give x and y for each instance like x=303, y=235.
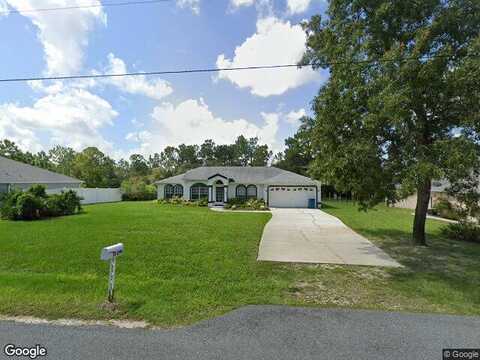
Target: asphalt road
x=261, y=332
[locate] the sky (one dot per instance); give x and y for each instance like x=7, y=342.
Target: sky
x=126, y=115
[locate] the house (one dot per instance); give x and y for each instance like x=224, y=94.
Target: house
x=437, y=192
x=279, y=188
x=15, y=174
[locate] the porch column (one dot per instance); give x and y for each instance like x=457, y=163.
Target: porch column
x=225, y=193
x=210, y=193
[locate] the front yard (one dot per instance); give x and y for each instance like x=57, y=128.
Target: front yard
x=183, y=264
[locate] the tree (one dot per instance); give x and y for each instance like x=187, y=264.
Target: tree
x=188, y=157
x=10, y=150
x=154, y=161
x=62, y=159
x=207, y=153
x=403, y=93
x=298, y=154
x=95, y=168
x=138, y=165
x=169, y=161
x=226, y=155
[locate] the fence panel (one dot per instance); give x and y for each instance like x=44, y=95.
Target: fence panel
x=94, y=196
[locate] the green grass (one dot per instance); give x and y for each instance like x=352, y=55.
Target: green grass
x=180, y=264
x=443, y=277
x=183, y=264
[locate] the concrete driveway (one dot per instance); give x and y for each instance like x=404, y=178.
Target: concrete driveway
x=313, y=236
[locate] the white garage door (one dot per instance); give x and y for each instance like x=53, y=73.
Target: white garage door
x=294, y=197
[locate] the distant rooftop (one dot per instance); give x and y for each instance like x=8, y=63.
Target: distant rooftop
x=15, y=172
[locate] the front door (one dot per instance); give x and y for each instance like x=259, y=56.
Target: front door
x=219, y=194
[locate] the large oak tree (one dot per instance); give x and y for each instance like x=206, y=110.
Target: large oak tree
x=402, y=105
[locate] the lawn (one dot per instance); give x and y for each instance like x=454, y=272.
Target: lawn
x=183, y=264
x=443, y=277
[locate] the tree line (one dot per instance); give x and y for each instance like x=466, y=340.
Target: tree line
x=97, y=169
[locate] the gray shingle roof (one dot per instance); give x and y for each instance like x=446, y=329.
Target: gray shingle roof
x=243, y=175
x=15, y=172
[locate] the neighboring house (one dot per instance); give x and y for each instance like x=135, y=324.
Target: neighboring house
x=437, y=192
x=15, y=174
x=279, y=188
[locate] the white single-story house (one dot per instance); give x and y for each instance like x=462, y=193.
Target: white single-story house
x=279, y=188
x=15, y=174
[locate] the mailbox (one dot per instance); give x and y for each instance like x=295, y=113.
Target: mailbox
x=110, y=252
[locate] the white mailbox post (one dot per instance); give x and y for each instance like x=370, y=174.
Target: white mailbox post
x=111, y=253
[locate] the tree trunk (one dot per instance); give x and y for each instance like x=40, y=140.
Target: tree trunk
x=423, y=198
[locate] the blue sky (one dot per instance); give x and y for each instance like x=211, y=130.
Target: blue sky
x=145, y=114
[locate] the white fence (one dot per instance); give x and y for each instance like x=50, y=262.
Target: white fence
x=94, y=196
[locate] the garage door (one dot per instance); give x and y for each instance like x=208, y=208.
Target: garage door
x=294, y=197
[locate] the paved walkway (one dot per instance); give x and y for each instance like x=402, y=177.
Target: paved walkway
x=313, y=236
x=260, y=332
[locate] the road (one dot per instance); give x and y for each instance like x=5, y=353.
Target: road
x=261, y=332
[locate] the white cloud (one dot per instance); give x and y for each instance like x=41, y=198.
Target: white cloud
x=297, y=6
x=194, y=5
x=240, y=3
x=192, y=122
x=152, y=88
x=73, y=117
x=266, y=47
x=155, y=89
x=3, y=8
x=293, y=117
x=64, y=35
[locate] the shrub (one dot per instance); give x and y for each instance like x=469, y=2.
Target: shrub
x=180, y=201
x=463, y=231
x=29, y=207
x=38, y=191
x=250, y=204
x=35, y=204
x=136, y=189
x=65, y=203
x=446, y=209
x=8, y=209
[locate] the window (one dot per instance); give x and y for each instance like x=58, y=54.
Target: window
x=173, y=191
x=241, y=192
x=198, y=191
x=168, y=191
x=178, y=190
x=251, y=192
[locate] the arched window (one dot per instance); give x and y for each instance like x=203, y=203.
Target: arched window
x=251, y=192
x=198, y=191
x=168, y=191
x=178, y=190
x=241, y=192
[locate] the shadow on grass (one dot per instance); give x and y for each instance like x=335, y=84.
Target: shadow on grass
x=443, y=272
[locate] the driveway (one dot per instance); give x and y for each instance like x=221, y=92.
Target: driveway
x=260, y=332
x=313, y=236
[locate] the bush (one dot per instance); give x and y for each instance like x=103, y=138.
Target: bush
x=250, y=204
x=136, y=189
x=181, y=201
x=29, y=206
x=9, y=205
x=463, y=231
x=38, y=191
x=65, y=203
x=446, y=209
x=35, y=204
